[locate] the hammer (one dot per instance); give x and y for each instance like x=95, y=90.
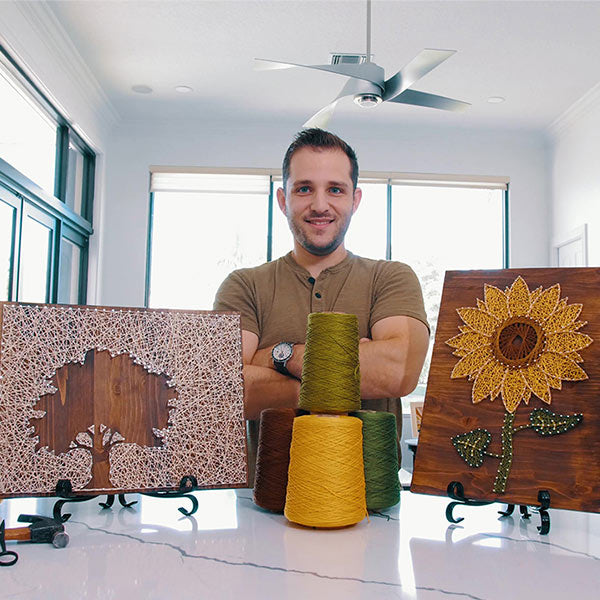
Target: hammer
x=42, y=530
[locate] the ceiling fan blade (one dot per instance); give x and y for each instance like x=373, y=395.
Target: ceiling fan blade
x=367, y=71
x=427, y=60
x=321, y=118
x=430, y=100
x=265, y=64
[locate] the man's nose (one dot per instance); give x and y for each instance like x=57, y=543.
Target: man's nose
x=320, y=202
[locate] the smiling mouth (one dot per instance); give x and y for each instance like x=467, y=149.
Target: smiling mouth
x=319, y=222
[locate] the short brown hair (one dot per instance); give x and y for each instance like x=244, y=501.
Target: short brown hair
x=319, y=138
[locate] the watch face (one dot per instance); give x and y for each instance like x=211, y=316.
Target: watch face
x=282, y=351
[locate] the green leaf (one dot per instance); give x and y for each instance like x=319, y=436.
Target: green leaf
x=545, y=422
x=471, y=446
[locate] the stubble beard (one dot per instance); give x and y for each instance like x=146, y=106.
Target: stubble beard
x=318, y=250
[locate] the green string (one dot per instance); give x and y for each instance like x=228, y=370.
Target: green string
x=331, y=370
x=380, y=455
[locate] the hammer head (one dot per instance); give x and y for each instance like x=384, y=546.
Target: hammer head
x=46, y=530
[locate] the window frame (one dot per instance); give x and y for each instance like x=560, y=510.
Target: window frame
x=387, y=178
x=19, y=191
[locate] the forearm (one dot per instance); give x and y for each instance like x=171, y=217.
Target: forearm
x=389, y=369
x=266, y=388
x=391, y=363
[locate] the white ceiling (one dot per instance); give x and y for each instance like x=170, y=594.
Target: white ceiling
x=541, y=56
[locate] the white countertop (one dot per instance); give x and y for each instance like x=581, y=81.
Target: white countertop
x=232, y=549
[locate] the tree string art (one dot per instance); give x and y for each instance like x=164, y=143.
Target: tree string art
x=119, y=400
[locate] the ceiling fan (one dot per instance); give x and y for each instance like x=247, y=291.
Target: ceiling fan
x=368, y=85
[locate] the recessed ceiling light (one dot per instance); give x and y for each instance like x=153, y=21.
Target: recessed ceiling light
x=183, y=89
x=142, y=89
x=496, y=99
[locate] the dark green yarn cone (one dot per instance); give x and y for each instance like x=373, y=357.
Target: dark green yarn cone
x=380, y=454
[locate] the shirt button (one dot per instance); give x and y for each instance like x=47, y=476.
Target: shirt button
x=311, y=280
x=318, y=295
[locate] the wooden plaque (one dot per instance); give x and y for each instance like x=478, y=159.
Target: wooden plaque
x=513, y=398
x=119, y=400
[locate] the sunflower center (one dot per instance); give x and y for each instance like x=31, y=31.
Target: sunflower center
x=518, y=341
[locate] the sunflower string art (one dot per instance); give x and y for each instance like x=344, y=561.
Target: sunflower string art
x=517, y=345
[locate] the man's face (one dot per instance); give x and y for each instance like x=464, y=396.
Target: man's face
x=319, y=199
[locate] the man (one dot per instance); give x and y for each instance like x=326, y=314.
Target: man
x=319, y=197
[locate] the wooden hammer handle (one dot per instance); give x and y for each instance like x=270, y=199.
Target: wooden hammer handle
x=21, y=534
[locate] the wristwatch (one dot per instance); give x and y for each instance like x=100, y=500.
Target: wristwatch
x=281, y=353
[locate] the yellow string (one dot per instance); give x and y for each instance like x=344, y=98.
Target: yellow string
x=326, y=484
x=331, y=370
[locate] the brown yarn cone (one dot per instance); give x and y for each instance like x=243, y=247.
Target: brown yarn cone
x=273, y=457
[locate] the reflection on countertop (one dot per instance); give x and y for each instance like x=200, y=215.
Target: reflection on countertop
x=232, y=549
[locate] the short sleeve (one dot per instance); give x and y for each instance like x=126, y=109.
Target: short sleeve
x=237, y=293
x=397, y=292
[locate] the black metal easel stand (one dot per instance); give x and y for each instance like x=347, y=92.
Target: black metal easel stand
x=187, y=484
x=456, y=491
x=64, y=490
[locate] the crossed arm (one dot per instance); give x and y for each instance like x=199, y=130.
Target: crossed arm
x=390, y=364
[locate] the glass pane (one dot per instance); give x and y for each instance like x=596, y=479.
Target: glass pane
x=282, y=240
x=35, y=256
x=74, y=191
x=7, y=214
x=367, y=233
x=27, y=135
x=198, y=239
x=435, y=229
x=68, y=279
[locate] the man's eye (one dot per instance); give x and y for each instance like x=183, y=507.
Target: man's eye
x=335, y=190
x=304, y=189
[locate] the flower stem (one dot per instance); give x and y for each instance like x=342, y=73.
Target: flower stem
x=507, y=453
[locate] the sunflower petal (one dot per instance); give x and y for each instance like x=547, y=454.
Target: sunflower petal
x=488, y=380
x=481, y=305
x=562, y=367
x=518, y=298
x=527, y=395
x=496, y=302
x=468, y=341
x=513, y=389
x=563, y=318
x=545, y=304
x=535, y=294
x=478, y=320
x=554, y=382
x=575, y=356
x=578, y=325
x=567, y=341
x=537, y=382
x=472, y=363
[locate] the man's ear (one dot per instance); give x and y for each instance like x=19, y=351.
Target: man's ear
x=356, y=200
x=281, y=200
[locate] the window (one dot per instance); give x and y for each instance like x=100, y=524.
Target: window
x=46, y=192
x=205, y=225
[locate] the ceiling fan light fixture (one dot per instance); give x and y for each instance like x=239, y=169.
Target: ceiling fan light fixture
x=367, y=100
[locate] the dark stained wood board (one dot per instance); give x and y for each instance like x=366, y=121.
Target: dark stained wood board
x=159, y=395
x=567, y=465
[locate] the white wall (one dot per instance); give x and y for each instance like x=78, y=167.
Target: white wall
x=135, y=146
x=576, y=173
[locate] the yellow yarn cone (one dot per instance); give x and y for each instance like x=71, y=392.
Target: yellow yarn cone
x=326, y=484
